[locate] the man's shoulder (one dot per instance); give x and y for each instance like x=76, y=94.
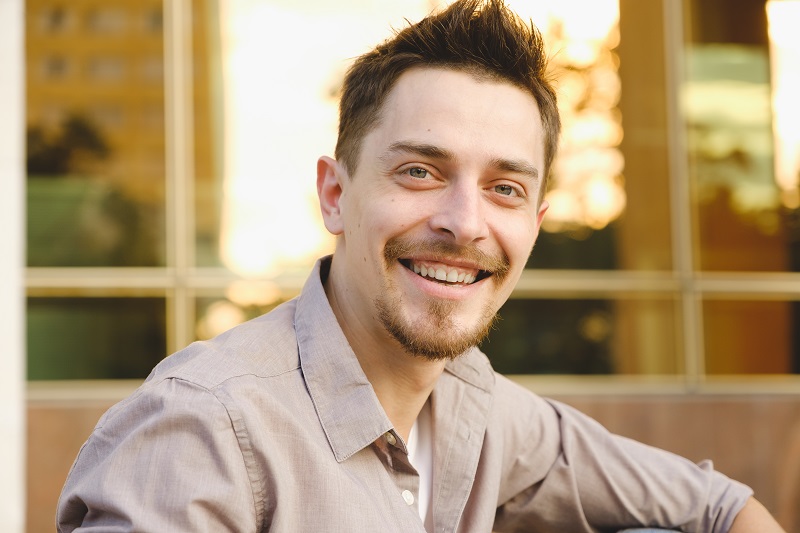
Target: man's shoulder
x=265, y=347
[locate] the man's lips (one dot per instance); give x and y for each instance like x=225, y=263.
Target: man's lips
x=445, y=273
x=443, y=261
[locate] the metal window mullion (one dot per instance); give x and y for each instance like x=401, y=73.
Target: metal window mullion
x=681, y=213
x=178, y=111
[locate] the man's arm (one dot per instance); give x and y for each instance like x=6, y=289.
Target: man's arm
x=754, y=518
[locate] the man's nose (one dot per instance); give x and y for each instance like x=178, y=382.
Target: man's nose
x=460, y=214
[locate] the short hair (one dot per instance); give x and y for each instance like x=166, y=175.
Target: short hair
x=481, y=37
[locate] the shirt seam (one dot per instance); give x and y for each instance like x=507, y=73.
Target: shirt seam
x=257, y=488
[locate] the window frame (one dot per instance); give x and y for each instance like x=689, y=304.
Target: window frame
x=180, y=282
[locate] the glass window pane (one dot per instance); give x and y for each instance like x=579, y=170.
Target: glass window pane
x=609, y=194
x=218, y=313
x=747, y=215
x=644, y=231
x=94, y=338
x=590, y=224
x=95, y=135
x=208, y=131
x=625, y=336
x=751, y=337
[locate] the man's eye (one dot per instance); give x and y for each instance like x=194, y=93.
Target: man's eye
x=419, y=173
x=506, y=190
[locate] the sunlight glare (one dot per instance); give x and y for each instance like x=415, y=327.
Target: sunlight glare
x=282, y=65
x=784, y=19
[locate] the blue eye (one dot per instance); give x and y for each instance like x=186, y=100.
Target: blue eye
x=419, y=173
x=506, y=190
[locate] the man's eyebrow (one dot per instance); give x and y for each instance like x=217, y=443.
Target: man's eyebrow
x=426, y=150
x=517, y=166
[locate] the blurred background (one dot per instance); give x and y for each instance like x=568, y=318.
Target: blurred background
x=170, y=153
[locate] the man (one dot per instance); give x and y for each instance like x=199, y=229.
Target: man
x=364, y=405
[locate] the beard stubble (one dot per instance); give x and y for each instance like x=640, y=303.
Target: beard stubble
x=435, y=336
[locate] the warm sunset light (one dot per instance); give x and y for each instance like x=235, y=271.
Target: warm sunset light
x=280, y=116
x=588, y=189
x=784, y=19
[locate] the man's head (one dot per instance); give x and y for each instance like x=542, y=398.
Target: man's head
x=436, y=198
x=481, y=37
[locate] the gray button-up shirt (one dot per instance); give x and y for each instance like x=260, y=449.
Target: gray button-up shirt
x=273, y=426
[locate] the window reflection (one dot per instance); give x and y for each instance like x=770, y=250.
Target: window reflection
x=281, y=116
x=95, y=169
x=587, y=190
x=784, y=17
x=244, y=300
x=746, y=209
x=94, y=338
x=585, y=336
x=96, y=161
x=751, y=337
x=275, y=139
x=208, y=131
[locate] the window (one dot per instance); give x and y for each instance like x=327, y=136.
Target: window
x=153, y=20
x=106, y=69
x=95, y=204
x=53, y=19
x=109, y=19
x=152, y=69
x=54, y=67
x=669, y=253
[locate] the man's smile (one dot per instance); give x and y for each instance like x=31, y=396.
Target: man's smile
x=443, y=262
x=444, y=273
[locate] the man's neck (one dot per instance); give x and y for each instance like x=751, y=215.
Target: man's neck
x=402, y=382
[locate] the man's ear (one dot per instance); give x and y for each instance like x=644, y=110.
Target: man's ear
x=542, y=210
x=330, y=176
x=539, y=217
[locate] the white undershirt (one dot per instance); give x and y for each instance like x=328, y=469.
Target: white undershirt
x=420, y=455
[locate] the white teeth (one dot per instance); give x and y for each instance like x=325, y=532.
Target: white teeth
x=450, y=275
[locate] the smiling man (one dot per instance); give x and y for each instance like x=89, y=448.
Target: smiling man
x=364, y=404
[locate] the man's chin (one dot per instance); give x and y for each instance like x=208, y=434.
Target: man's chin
x=434, y=336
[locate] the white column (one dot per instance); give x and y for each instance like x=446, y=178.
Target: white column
x=12, y=225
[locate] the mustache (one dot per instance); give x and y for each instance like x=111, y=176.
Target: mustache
x=400, y=247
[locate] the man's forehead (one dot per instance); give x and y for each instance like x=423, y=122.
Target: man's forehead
x=429, y=108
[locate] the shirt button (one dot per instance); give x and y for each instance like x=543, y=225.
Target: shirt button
x=390, y=439
x=408, y=497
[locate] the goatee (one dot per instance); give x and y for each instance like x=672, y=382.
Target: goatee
x=435, y=336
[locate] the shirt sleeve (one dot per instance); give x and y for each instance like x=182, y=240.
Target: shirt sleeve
x=599, y=481
x=166, y=459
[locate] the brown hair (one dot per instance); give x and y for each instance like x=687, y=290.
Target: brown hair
x=482, y=37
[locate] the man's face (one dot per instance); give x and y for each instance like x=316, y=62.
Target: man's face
x=438, y=221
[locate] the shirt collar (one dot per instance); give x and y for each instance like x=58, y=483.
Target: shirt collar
x=348, y=409
x=474, y=368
